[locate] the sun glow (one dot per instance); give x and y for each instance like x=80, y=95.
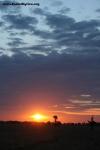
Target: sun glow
x=39, y=117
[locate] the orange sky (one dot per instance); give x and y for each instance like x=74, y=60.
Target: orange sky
x=63, y=116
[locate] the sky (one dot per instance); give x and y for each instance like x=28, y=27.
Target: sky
x=50, y=60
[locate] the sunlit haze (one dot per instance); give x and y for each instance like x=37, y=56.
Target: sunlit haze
x=39, y=117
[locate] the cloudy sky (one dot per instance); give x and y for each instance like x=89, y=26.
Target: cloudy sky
x=50, y=59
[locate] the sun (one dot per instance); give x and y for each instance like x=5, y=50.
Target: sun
x=38, y=117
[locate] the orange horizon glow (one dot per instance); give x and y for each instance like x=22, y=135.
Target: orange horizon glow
x=44, y=115
x=66, y=116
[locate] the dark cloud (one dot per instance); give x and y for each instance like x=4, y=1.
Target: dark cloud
x=79, y=37
x=38, y=75
x=65, y=34
x=40, y=48
x=20, y=22
x=39, y=11
x=15, y=42
x=1, y=23
x=98, y=10
x=43, y=34
x=86, y=26
x=1, y=50
x=59, y=21
x=62, y=66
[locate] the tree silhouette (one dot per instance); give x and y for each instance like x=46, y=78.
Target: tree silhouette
x=92, y=123
x=92, y=118
x=55, y=118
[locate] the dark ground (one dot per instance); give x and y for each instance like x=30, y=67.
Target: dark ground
x=30, y=136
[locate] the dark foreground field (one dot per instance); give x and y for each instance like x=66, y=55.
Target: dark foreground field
x=28, y=136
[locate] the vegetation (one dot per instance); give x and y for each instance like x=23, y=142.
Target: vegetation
x=47, y=136
x=55, y=118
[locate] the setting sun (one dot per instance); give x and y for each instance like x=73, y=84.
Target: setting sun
x=38, y=117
